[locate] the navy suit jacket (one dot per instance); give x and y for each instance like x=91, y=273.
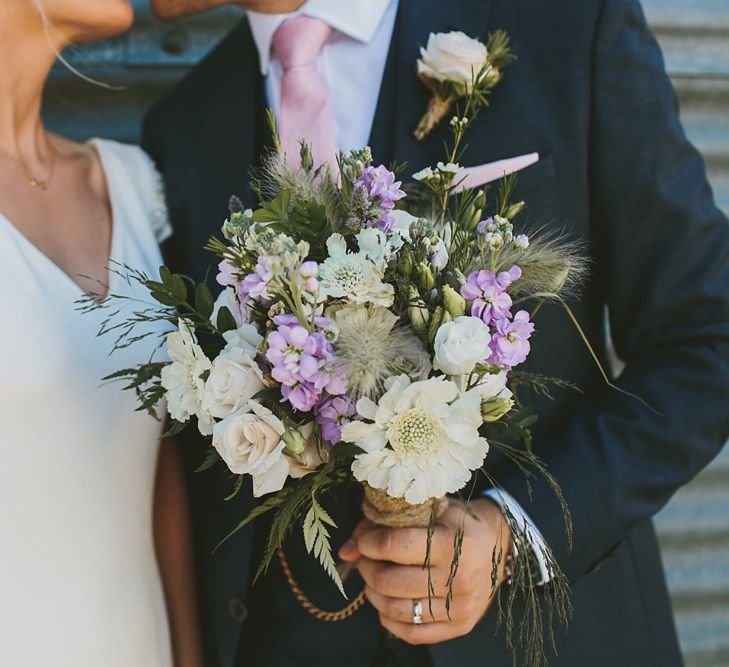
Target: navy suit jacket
x=590, y=93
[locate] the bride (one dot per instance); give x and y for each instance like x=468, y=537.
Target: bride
x=96, y=562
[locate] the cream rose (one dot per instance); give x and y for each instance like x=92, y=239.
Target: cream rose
x=235, y=377
x=315, y=453
x=460, y=345
x=454, y=57
x=250, y=443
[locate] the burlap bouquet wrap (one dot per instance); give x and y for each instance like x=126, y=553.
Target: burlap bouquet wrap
x=385, y=510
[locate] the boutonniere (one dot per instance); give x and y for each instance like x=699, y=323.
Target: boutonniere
x=453, y=66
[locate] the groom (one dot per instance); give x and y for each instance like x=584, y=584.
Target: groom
x=589, y=93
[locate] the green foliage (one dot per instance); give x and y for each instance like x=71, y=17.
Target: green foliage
x=317, y=540
x=211, y=458
x=275, y=211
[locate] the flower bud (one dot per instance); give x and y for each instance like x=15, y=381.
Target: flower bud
x=294, y=440
x=407, y=265
x=435, y=323
x=494, y=409
x=426, y=280
x=515, y=209
x=418, y=313
x=454, y=303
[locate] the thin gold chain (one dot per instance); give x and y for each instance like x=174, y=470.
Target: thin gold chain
x=328, y=616
x=38, y=183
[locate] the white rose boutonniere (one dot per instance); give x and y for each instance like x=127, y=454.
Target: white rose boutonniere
x=453, y=66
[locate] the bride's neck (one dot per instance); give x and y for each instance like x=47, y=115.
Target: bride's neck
x=27, y=55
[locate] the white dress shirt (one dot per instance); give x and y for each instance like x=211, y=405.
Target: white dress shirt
x=353, y=63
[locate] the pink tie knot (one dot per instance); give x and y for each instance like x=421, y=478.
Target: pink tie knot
x=298, y=41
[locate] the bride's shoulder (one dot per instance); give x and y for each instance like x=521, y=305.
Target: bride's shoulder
x=129, y=169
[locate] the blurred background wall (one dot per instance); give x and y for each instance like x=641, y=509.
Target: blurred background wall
x=694, y=528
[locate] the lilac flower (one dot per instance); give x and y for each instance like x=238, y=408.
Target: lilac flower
x=380, y=183
x=333, y=415
x=489, y=300
x=227, y=274
x=308, y=272
x=510, y=341
x=304, y=363
x=521, y=241
x=481, y=227
x=254, y=285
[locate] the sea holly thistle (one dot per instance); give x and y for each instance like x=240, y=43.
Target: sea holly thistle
x=454, y=66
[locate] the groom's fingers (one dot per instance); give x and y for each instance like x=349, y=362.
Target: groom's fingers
x=406, y=546
x=428, y=633
x=349, y=551
x=401, y=609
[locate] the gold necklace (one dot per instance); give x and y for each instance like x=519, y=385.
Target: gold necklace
x=38, y=183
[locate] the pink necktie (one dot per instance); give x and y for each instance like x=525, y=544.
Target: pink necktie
x=306, y=110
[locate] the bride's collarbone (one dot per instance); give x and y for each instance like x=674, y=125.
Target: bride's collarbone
x=69, y=222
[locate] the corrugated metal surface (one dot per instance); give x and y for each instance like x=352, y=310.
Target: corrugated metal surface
x=694, y=528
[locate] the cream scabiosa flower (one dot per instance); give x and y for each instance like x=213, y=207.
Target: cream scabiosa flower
x=352, y=275
x=184, y=379
x=420, y=440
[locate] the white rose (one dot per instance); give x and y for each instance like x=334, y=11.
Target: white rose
x=249, y=441
x=454, y=57
x=183, y=379
x=235, y=377
x=460, y=345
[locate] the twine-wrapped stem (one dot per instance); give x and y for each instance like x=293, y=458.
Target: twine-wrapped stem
x=438, y=108
x=385, y=510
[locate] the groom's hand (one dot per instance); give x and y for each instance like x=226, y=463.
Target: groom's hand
x=391, y=564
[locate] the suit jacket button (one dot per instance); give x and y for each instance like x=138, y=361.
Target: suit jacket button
x=237, y=609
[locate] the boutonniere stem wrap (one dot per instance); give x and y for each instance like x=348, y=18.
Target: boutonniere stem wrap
x=454, y=66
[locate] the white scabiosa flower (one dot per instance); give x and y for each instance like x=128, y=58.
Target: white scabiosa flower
x=420, y=440
x=371, y=347
x=184, y=379
x=352, y=276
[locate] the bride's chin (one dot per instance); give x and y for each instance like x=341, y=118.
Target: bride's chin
x=103, y=20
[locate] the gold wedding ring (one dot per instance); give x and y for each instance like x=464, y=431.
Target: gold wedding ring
x=417, y=612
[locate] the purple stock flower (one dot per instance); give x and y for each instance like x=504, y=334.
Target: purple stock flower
x=254, y=285
x=227, y=274
x=303, y=362
x=308, y=272
x=487, y=293
x=380, y=182
x=510, y=341
x=332, y=415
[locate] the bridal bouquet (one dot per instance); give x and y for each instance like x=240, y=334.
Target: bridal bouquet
x=361, y=333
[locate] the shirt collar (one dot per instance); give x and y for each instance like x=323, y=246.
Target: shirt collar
x=357, y=19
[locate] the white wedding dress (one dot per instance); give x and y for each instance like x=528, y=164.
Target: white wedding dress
x=79, y=583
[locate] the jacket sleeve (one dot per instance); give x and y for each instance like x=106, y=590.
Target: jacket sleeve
x=662, y=266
